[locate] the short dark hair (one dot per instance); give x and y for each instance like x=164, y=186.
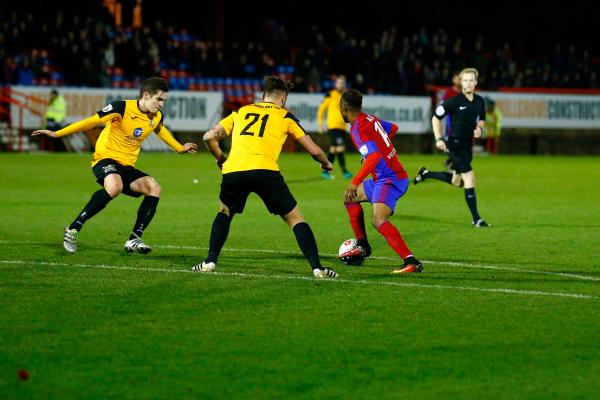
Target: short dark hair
x=274, y=83
x=153, y=85
x=352, y=99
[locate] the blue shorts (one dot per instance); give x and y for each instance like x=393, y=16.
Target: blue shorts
x=386, y=191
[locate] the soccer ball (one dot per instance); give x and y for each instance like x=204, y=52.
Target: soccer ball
x=351, y=253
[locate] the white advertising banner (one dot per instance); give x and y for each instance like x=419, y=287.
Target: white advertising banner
x=184, y=111
x=411, y=114
x=548, y=111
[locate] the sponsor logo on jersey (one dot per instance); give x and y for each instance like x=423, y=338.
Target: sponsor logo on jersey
x=137, y=132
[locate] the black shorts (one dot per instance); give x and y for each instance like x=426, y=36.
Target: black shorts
x=337, y=137
x=128, y=174
x=268, y=185
x=461, y=155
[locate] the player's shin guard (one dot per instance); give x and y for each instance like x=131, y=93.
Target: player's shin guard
x=331, y=157
x=307, y=243
x=472, y=203
x=342, y=161
x=394, y=239
x=357, y=219
x=440, y=176
x=98, y=201
x=218, y=236
x=144, y=216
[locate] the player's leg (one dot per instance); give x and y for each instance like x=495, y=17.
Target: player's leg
x=384, y=197
x=218, y=236
x=274, y=192
x=471, y=199
x=330, y=156
x=235, y=189
x=137, y=183
x=307, y=243
x=107, y=174
x=339, y=149
x=357, y=216
x=424, y=173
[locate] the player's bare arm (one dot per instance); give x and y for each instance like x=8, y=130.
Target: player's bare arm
x=436, y=124
x=478, y=129
x=189, y=148
x=211, y=141
x=351, y=192
x=316, y=152
x=44, y=132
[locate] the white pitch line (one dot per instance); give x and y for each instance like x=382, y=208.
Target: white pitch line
x=454, y=263
x=306, y=278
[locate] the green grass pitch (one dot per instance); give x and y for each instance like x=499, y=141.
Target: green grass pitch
x=510, y=312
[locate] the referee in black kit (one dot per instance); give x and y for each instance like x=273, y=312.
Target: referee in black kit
x=467, y=117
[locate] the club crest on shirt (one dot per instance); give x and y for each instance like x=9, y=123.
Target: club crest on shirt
x=137, y=132
x=151, y=122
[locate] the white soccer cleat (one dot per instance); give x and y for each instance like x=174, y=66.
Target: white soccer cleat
x=70, y=240
x=137, y=245
x=325, y=273
x=204, y=267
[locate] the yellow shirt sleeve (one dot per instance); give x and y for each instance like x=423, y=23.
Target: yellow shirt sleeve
x=322, y=109
x=227, y=122
x=84, y=124
x=294, y=127
x=166, y=136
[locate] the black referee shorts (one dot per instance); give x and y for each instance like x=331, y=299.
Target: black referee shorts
x=128, y=174
x=268, y=185
x=461, y=155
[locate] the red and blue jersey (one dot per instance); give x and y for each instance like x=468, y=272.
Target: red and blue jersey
x=372, y=138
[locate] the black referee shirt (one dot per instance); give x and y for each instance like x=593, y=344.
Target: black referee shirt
x=464, y=115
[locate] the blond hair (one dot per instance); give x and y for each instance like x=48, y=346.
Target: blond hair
x=469, y=71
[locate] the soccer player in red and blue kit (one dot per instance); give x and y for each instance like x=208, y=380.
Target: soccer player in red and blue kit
x=371, y=136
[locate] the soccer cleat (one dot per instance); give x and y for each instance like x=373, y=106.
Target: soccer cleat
x=327, y=176
x=347, y=175
x=70, y=240
x=204, y=267
x=411, y=264
x=364, y=243
x=481, y=224
x=325, y=273
x=137, y=245
x=419, y=177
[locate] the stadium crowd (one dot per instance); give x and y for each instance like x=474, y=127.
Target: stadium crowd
x=38, y=48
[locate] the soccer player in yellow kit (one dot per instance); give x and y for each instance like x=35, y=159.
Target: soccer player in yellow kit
x=336, y=127
x=258, y=133
x=128, y=124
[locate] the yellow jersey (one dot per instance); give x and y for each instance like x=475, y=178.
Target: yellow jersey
x=126, y=128
x=258, y=132
x=331, y=103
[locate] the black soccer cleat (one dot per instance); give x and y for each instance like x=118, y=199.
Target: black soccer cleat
x=364, y=243
x=420, y=177
x=480, y=223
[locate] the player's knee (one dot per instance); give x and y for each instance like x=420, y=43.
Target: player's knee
x=377, y=221
x=114, y=189
x=457, y=181
x=225, y=210
x=154, y=188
